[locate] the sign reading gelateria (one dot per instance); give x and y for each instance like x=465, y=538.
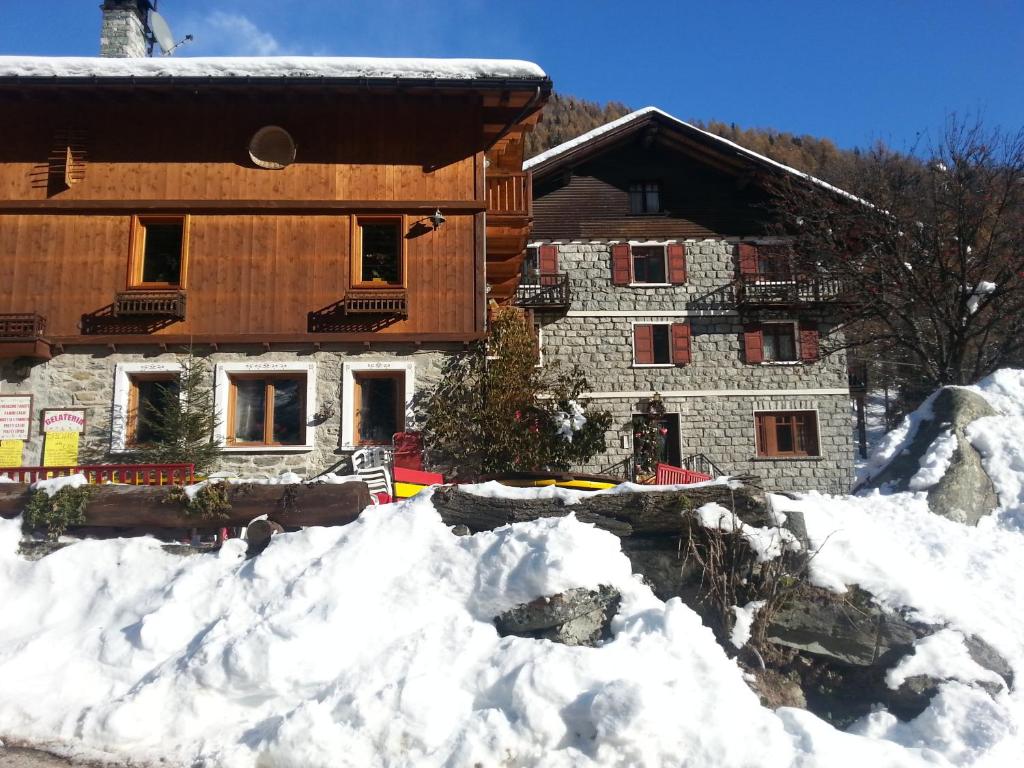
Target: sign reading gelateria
x=15, y=416
x=64, y=420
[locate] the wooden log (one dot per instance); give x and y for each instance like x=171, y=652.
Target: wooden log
x=624, y=514
x=260, y=532
x=151, y=506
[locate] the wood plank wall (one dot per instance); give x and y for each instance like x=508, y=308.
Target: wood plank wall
x=250, y=272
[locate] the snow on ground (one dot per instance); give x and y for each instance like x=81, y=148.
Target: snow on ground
x=372, y=644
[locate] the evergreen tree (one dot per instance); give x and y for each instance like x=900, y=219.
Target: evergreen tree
x=182, y=421
x=495, y=410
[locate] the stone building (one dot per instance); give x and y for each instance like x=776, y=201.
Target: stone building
x=321, y=233
x=652, y=267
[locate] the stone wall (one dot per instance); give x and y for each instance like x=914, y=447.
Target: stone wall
x=123, y=32
x=717, y=393
x=84, y=378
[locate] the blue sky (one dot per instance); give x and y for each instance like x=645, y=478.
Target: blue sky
x=854, y=71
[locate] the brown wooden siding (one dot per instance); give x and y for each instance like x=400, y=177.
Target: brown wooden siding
x=593, y=202
x=370, y=149
x=251, y=274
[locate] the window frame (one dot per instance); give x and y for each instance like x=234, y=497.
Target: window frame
x=795, y=331
x=223, y=373
x=268, y=407
x=765, y=439
x=137, y=253
x=634, y=283
x=400, y=410
x=131, y=424
x=348, y=392
x=123, y=375
x=632, y=342
x=357, y=220
x=642, y=192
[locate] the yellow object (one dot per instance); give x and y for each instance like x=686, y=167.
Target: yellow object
x=405, y=490
x=10, y=452
x=586, y=485
x=60, y=449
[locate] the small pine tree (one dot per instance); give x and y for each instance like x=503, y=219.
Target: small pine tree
x=183, y=421
x=495, y=410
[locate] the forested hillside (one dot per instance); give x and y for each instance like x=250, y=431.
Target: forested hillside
x=566, y=117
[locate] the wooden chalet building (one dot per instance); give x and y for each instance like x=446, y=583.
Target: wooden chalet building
x=322, y=232
x=650, y=267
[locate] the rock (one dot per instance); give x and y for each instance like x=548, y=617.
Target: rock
x=988, y=657
x=574, y=617
x=849, y=628
x=965, y=493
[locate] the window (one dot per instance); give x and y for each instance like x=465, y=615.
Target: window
x=379, y=252
x=531, y=267
x=645, y=197
x=787, y=433
x=159, y=249
x=149, y=396
x=379, y=402
x=661, y=344
x=140, y=389
x=649, y=264
x=267, y=409
x=779, y=341
x=774, y=264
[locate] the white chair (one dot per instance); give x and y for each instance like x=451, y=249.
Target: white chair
x=377, y=479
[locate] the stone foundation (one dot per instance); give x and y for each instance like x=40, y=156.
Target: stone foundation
x=84, y=378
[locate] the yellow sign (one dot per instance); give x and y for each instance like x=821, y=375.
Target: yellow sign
x=60, y=449
x=10, y=452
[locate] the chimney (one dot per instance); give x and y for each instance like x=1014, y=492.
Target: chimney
x=124, y=29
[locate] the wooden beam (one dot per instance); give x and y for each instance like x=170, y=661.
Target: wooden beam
x=259, y=339
x=331, y=207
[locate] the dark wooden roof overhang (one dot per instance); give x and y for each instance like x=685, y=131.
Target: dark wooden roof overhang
x=510, y=106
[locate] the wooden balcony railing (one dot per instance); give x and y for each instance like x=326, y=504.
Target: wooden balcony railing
x=167, y=304
x=540, y=291
x=757, y=289
x=22, y=326
x=510, y=194
x=376, y=302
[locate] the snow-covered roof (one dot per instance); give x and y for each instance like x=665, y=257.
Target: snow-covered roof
x=625, y=120
x=269, y=67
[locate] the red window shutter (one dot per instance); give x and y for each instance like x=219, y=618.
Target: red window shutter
x=677, y=263
x=643, y=345
x=621, y=272
x=681, y=343
x=809, y=342
x=753, y=343
x=748, y=258
x=548, y=259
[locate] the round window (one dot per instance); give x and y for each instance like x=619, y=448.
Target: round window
x=272, y=147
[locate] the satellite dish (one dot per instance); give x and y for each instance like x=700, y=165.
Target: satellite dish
x=161, y=32
x=272, y=147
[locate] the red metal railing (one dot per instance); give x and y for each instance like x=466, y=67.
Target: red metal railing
x=666, y=474
x=131, y=474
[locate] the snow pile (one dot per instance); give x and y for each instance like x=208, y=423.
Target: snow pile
x=745, y=616
x=934, y=463
x=51, y=485
x=269, y=66
x=945, y=655
x=965, y=577
x=369, y=644
x=767, y=543
x=998, y=440
x=897, y=440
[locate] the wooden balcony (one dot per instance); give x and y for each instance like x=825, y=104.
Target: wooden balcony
x=22, y=335
x=544, y=292
x=768, y=291
x=510, y=194
x=375, y=302
x=155, y=304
